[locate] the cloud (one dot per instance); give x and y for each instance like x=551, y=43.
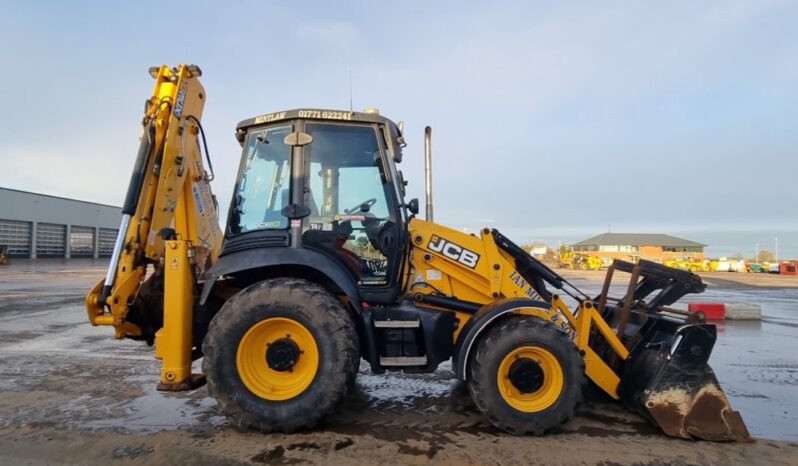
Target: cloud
x=545, y=115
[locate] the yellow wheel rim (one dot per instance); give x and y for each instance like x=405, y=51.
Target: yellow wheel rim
x=546, y=394
x=254, y=369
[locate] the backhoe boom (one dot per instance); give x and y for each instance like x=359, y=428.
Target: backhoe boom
x=169, y=220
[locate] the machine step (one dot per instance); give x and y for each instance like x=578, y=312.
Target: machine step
x=397, y=323
x=403, y=360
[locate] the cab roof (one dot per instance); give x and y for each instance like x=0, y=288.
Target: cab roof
x=313, y=114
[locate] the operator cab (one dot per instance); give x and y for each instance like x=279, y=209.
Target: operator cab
x=325, y=181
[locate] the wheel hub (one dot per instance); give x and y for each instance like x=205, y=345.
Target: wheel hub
x=282, y=354
x=526, y=375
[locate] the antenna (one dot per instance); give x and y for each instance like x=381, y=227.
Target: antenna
x=350, y=91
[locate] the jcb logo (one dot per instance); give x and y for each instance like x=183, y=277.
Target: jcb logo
x=453, y=251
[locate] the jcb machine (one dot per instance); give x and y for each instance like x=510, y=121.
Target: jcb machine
x=322, y=262
x=574, y=260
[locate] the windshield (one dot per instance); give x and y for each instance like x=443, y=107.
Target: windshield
x=263, y=183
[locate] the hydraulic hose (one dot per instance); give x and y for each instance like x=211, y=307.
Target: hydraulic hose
x=129, y=207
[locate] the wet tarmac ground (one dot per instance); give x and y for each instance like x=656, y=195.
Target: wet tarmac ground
x=58, y=373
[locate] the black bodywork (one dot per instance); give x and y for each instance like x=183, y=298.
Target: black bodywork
x=431, y=339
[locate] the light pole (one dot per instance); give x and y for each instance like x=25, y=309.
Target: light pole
x=756, y=257
x=776, y=254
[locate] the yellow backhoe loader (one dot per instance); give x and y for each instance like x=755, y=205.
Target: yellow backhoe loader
x=693, y=265
x=575, y=260
x=322, y=262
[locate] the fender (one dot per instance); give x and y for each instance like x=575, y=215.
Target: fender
x=481, y=320
x=249, y=259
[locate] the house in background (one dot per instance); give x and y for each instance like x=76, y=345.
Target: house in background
x=633, y=246
x=542, y=251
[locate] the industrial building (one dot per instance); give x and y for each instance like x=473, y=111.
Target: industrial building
x=38, y=225
x=633, y=246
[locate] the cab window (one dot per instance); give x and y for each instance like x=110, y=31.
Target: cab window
x=263, y=184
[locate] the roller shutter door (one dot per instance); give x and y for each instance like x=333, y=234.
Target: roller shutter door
x=50, y=240
x=107, y=238
x=15, y=235
x=81, y=241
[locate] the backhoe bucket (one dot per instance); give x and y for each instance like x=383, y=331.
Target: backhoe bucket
x=667, y=380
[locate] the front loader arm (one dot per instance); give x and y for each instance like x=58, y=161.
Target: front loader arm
x=635, y=349
x=168, y=199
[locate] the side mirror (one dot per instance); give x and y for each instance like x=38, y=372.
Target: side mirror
x=240, y=136
x=412, y=206
x=398, y=142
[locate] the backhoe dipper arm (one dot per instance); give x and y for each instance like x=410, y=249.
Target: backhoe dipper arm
x=168, y=201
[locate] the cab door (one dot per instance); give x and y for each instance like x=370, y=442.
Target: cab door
x=354, y=215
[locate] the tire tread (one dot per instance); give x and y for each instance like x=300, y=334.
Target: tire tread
x=482, y=395
x=317, y=300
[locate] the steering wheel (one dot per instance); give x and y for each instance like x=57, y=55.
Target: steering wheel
x=359, y=208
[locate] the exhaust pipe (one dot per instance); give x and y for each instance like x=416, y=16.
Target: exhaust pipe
x=428, y=170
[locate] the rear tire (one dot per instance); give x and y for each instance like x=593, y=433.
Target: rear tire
x=280, y=355
x=546, y=399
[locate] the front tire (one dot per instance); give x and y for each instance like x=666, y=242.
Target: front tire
x=280, y=355
x=527, y=377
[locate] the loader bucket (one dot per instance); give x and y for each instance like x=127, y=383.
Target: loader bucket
x=666, y=376
x=667, y=380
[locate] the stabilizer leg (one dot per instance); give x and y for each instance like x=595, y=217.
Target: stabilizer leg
x=173, y=342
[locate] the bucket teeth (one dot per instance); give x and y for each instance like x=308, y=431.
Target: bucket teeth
x=669, y=381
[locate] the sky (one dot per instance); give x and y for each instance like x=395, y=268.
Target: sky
x=550, y=119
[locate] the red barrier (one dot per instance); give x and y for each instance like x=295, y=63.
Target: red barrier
x=788, y=268
x=712, y=311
